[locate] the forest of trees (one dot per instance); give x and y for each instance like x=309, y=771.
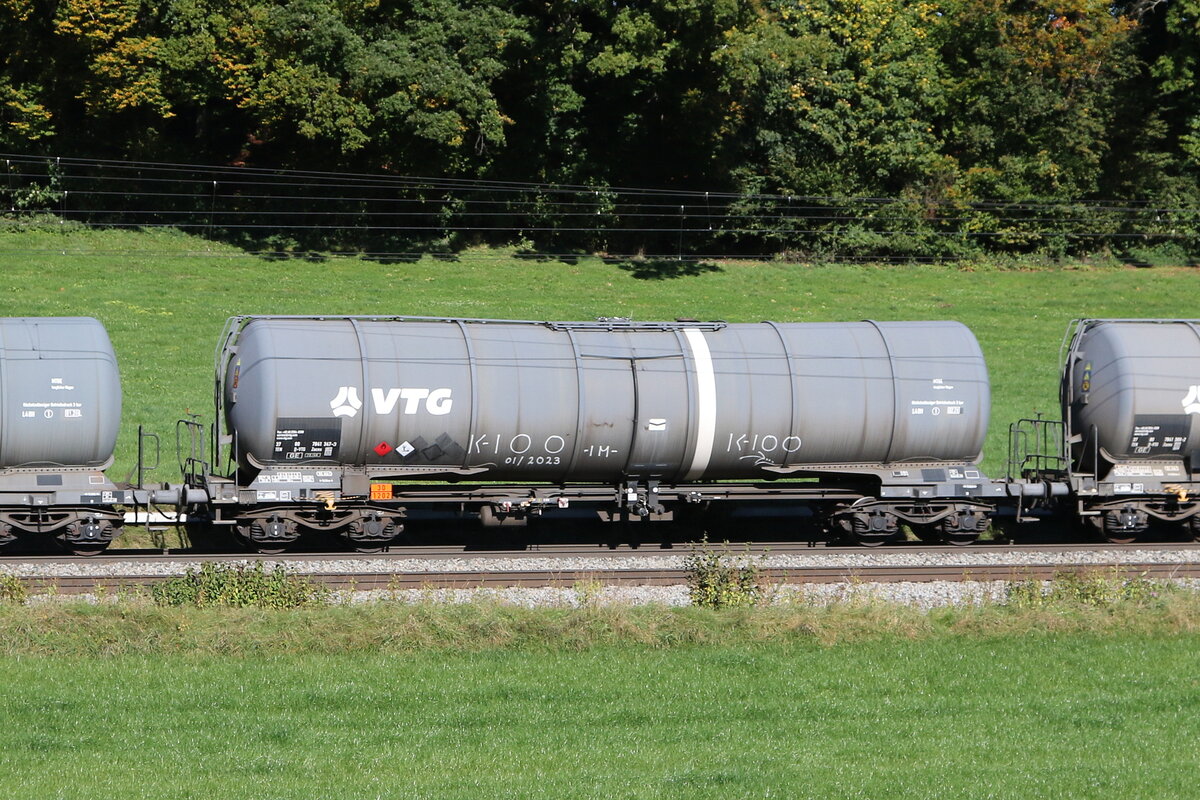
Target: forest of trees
x=940, y=104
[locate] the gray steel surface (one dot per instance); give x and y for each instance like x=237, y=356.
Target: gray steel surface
x=60, y=392
x=558, y=402
x=1138, y=383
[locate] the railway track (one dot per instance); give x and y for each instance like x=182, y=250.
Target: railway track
x=435, y=552
x=370, y=581
x=566, y=566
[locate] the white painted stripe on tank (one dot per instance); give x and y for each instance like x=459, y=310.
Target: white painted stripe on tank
x=706, y=402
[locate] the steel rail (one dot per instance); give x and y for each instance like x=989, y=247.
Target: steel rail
x=593, y=550
x=569, y=578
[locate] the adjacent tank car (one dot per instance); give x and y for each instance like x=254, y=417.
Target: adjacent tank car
x=1131, y=406
x=60, y=409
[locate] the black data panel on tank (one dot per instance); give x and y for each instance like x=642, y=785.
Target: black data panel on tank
x=307, y=438
x=1160, y=434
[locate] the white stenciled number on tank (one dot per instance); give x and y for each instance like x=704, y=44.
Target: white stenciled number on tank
x=767, y=443
x=520, y=444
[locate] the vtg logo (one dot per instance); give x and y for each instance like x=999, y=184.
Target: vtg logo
x=346, y=404
x=436, y=401
x=1191, y=402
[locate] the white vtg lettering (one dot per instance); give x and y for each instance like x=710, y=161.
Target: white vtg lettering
x=437, y=401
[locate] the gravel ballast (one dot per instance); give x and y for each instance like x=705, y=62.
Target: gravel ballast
x=859, y=559
x=924, y=594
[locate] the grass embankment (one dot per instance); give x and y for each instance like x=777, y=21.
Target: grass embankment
x=134, y=627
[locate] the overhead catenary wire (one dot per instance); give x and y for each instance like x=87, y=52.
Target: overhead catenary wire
x=204, y=188
x=703, y=198
x=488, y=184
x=253, y=204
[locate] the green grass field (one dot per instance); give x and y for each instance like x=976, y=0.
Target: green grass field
x=1021, y=717
x=164, y=298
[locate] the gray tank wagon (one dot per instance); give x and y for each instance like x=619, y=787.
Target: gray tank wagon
x=60, y=410
x=1131, y=404
x=327, y=422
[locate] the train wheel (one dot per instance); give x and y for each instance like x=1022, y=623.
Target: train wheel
x=87, y=552
x=255, y=547
x=1124, y=526
x=944, y=533
x=1194, y=527
x=267, y=535
x=964, y=527
x=873, y=528
x=88, y=537
x=372, y=533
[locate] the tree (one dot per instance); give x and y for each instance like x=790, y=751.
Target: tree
x=1033, y=93
x=26, y=117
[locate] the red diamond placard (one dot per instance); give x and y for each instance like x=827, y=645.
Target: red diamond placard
x=383, y=448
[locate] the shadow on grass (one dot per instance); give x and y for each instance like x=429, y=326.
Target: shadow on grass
x=1146, y=263
x=661, y=269
x=570, y=259
x=310, y=256
x=646, y=269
